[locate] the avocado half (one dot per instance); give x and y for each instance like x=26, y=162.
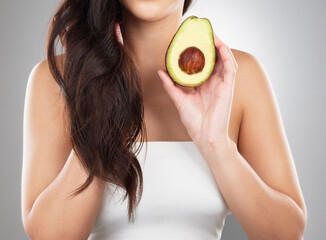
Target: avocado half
x=190, y=57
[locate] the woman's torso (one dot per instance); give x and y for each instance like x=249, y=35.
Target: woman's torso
x=180, y=200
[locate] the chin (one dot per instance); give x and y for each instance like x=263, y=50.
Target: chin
x=152, y=10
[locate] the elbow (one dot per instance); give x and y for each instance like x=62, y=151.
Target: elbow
x=31, y=230
x=27, y=225
x=301, y=224
x=42, y=235
x=38, y=232
x=298, y=227
x=292, y=229
x=298, y=235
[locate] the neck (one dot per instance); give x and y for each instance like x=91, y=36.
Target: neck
x=147, y=41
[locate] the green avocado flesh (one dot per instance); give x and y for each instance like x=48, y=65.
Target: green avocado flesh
x=190, y=57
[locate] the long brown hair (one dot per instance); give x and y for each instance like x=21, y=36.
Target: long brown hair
x=102, y=93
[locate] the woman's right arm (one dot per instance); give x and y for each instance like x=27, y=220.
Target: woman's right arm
x=51, y=171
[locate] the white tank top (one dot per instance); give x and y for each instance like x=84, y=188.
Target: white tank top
x=180, y=200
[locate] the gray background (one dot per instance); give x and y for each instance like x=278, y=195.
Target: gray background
x=287, y=37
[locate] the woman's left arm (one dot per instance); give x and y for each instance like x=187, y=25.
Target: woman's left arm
x=257, y=178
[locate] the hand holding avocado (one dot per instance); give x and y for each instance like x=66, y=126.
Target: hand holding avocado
x=204, y=62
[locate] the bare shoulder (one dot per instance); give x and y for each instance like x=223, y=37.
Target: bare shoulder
x=252, y=81
x=248, y=65
x=44, y=101
x=249, y=78
x=43, y=88
x=41, y=76
x=253, y=92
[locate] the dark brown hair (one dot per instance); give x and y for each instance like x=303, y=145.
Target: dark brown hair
x=102, y=93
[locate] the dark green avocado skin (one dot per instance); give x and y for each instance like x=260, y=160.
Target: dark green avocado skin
x=166, y=52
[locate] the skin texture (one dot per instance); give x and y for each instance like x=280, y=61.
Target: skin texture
x=152, y=11
x=240, y=136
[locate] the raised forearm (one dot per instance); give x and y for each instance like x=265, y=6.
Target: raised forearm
x=263, y=212
x=56, y=216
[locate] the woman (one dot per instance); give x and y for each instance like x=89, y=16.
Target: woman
x=212, y=149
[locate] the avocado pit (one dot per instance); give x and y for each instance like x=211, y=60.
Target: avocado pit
x=191, y=60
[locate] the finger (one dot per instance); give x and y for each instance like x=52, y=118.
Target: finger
x=175, y=93
x=118, y=33
x=226, y=57
x=233, y=58
x=230, y=72
x=219, y=44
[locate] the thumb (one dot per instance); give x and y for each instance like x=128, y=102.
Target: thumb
x=118, y=33
x=175, y=93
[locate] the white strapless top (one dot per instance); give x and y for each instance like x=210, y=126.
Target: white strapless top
x=181, y=199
